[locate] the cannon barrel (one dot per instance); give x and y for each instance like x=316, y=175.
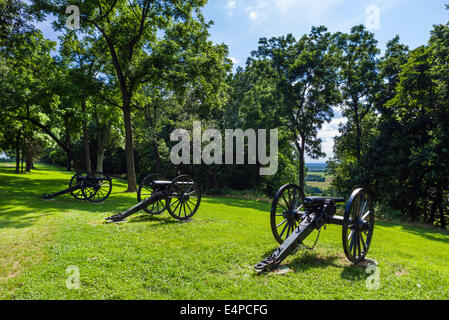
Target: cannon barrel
x=304, y=229
x=141, y=205
x=47, y=196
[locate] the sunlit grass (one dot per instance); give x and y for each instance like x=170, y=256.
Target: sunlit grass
x=210, y=257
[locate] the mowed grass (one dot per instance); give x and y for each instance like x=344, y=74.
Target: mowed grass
x=210, y=257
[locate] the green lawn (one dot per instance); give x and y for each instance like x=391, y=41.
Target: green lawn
x=211, y=257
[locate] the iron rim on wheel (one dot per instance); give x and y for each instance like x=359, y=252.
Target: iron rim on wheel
x=146, y=190
x=97, y=187
x=183, y=197
x=285, y=211
x=78, y=179
x=358, y=226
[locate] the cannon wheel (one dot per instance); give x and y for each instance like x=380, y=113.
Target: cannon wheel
x=97, y=187
x=285, y=211
x=358, y=226
x=146, y=190
x=78, y=179
x=183, y=197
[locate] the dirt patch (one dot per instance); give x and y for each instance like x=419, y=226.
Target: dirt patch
x=401, y=272
x=15, y=270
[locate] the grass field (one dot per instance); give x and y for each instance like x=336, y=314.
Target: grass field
x=210, y=257
x=324, y=185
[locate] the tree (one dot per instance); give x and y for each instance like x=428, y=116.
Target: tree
x=307, y=86
x=31, y=72
x=145, y=39
x=359, y=78
x=84, y=58
x=15, y=19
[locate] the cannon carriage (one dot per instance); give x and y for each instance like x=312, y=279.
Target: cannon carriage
x=94, y=187
x=294, y=217
x=181, y=197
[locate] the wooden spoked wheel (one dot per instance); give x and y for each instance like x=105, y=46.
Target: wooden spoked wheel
x=183, y=197
x=358, y=226
x=285, y=211
x=147, y=189
x=78, y=179
x=97, y=187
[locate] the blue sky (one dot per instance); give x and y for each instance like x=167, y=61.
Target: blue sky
x=240, y=24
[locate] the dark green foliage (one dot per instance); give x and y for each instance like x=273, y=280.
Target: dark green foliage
x=313, y=190
x=403, y=157
x=312, y=177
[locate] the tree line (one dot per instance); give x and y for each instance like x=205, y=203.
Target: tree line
x=108, y=97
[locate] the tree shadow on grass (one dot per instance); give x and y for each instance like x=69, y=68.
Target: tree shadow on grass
x=241, y=203
x=21, y=203
x=19, y=218
x=427, y=233
x=154, y=218
x=22, y=187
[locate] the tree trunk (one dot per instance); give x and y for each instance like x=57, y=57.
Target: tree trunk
x=301, y=149
x=69, y=154
x=28, y=164
x=23, y=153
x=28, y=158
x=68, y=166
x=76, y=163
x=126, y=100
x=87, y=162
x=358, y=131
x=130, y=168
x=100, y=158
x=102, y=133
x=18, y=152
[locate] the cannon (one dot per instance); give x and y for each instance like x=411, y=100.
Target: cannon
x=181, y=197
x=294, y=217
x=94, y=187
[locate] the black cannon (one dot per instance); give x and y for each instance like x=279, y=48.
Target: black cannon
x=94, y=187
x=294, y=217
x=181, y=197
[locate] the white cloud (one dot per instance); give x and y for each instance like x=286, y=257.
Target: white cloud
x=311, y=9
x=291, y=10
x=327, y=135
x=253, y=15
x=231, y=4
